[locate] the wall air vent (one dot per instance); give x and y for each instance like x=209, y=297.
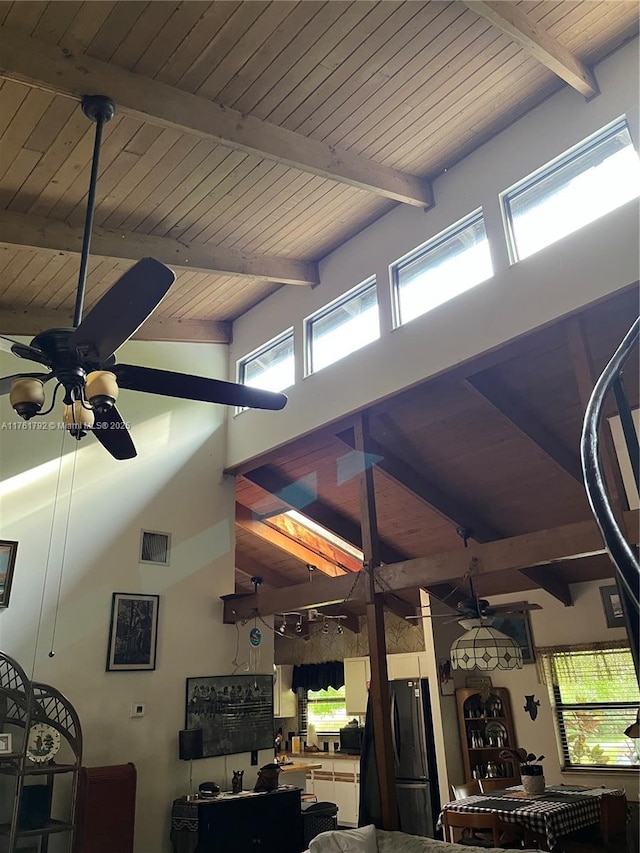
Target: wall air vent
x=155, y=547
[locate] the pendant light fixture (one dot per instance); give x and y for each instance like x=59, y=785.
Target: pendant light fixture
x=484, y=647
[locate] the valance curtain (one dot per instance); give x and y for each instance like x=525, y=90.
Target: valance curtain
x=562, y=664
x=318, y=676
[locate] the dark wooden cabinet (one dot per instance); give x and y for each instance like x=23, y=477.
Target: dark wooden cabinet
x=486, y=728
x=264, y=823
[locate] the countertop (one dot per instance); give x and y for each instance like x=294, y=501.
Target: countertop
x=322, y=756
x=300, y=767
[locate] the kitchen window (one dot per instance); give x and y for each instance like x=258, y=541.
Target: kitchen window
x=455, y=261
x=595, y=696
x=596, y=177
x=327, y=710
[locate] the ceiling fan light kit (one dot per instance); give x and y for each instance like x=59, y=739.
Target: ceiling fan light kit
x=82, y=358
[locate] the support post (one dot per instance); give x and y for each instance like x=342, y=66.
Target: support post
x=379, y=690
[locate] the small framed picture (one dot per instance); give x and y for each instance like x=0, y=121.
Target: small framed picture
x=612, y=606
x=6, y=745
x=133, y=633
x=8, y=552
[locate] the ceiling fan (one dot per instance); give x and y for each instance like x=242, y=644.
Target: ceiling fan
x=81, y=359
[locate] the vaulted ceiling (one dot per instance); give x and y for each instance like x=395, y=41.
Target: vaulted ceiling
x=252, y=138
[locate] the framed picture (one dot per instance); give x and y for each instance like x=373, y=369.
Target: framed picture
x=8, y=552
x=518, y=627
x=133, y=633
x=235, y=712
x=612, y=606
x=6, y=745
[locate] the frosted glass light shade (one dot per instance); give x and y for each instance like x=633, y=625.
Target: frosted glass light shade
x=101, y=389
x=485, y=648
x=78, y=419
x=26, y=396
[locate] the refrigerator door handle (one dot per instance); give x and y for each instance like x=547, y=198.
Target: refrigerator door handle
x=395, y=728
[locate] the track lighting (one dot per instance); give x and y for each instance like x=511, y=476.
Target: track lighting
x=339, y=629
x=299, y=625
x=325, y=627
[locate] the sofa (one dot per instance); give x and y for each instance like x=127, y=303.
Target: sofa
x=367, y=839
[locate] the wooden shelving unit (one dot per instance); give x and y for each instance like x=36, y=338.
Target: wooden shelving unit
x=23, y=704
x=486, y=727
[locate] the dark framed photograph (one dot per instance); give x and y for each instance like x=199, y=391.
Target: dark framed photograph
x=612, y=606
x=133, y=633
x=235, y=712
x=518, y=627
x=8, y=551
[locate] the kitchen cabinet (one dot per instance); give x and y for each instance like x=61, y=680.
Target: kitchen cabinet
x=284, y=700
x=357, y=675
x=486, y=727
x=337, y=781
x=407, y=665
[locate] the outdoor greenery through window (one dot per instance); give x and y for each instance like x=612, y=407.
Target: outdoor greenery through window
x=271, y=367
x=595, y=694
x=578, y=188
x=452, y=263
x=327, y=710
x=343, y=327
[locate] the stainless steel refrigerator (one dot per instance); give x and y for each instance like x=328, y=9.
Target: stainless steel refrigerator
x=414, y=761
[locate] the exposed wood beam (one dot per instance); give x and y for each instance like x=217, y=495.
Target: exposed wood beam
x=254, y=568
x=323, y=590
x=14, y=321
x=59, y=68
x=246, y=520
x=299, y=495
x=379, y=691
x=432, y=495
x=36, y=232
x=546, y=579
x=447, y=594
x=493, y=392
x=543, y=547
x=398, y=606
x=542, y=46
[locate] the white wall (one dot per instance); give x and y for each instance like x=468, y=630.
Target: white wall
x=598, y=260
x=176, y=485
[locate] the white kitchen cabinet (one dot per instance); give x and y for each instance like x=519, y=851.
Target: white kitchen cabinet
x=357, y=675
x=407, y=665
x=345, y=793
x=284, y=701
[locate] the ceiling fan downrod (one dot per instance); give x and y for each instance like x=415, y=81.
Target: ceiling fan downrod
x=100, y=109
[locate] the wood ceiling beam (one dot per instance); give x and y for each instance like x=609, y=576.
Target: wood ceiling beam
x=36, y=232
x=547, y=579
x=433, y=496
x=296, y=494
x=543, y=547
x=538, y=43
x=246, y=520
x=398, y=606
x=15, y=321
x=59, y=69
x=254, y=568
x=493, y=392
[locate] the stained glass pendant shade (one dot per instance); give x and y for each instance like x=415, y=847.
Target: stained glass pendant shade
x=485, y=648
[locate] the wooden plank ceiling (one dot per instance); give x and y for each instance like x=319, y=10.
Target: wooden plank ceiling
x=491, y=446
x=355, y=105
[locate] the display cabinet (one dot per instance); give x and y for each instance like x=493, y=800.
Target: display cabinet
x=42, y=740
x=486, y=728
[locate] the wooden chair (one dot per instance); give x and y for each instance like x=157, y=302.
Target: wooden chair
x=488, y=823
x=612, y=834
x=487, y=785
x=461, y=792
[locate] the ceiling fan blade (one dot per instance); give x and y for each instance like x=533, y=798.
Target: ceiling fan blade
x=22, y=350
x=122, y=309
x=113, y=435
x=5, y=382
x=516, y=607
x=188, y=387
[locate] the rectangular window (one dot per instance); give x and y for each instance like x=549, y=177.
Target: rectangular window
x=271, y=367
x=595, y=697
x=453, y=262
x=327, y=710
x=599, y=175
x=343, y=326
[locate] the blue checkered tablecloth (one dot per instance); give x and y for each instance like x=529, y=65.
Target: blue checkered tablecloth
x=559, y=811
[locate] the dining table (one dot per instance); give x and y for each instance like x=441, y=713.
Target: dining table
x=560, y=810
